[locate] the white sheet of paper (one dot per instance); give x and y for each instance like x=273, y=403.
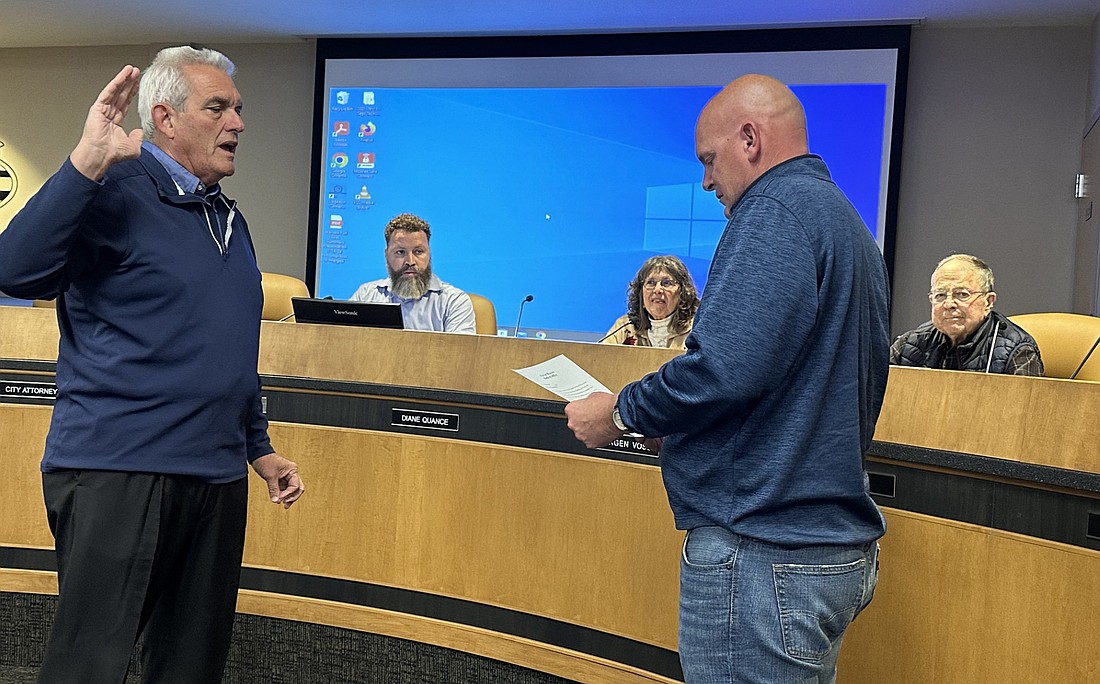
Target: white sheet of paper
x=562, y=376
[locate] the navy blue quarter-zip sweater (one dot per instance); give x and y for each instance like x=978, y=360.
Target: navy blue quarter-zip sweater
x=156, y=366
x=771, y=408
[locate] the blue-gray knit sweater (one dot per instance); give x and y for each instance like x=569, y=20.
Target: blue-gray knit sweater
x=769, y=411
x=156, y=368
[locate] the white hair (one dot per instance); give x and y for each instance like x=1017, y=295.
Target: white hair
x=985, y=273
x=163, y=80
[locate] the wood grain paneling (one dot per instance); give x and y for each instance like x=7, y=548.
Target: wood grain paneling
x=582, y=540
x=468, y=363
x=28, y=332
x=22, y=511
x=963, y=603
x=590, y=542
x=28, y=581
x=1044, y=421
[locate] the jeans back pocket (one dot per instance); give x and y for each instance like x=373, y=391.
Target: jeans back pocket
x=816, y=605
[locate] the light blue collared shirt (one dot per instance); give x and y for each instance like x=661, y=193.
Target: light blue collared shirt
x=184, y=179
x=442, y=308
x=187, y=182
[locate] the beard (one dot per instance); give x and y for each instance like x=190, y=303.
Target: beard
x=410, y=286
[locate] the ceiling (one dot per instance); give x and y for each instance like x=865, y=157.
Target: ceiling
x=54, y=23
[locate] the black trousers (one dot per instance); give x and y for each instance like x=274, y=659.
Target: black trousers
x=143, y=552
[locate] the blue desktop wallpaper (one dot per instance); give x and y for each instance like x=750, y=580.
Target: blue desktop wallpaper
x=560, y=193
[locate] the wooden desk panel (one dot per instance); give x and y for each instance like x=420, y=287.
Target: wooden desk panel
x=1042, y=421
x=577, y=539
x=22, y=510
x=480, y=364
x=587, y=541
x=963, y=603
x=28, y=332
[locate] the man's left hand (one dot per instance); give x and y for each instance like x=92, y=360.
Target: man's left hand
x=283, y=483
x=590, y=419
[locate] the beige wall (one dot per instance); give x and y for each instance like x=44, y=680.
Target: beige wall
x=992, y=143
x=1094, y=75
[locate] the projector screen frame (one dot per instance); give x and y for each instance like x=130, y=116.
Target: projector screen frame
x=891, y=36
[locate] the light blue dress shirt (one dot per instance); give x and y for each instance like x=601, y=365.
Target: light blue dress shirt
x=442, y=308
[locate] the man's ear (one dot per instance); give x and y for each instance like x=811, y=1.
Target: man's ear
x=164, y=120
x=989, y=299
x=750, y=140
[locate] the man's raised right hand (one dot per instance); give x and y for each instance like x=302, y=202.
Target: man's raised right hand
x=104, y=142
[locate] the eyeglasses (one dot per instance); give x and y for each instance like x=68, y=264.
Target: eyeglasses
x=666, y=283
x=960, y=296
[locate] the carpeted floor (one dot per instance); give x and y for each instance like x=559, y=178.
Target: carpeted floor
x=17, y=675
x=10, y=674
x=271, y=651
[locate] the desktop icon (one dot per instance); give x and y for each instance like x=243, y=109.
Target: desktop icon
x=342, y=97
x=339, y=160
x=368, y=97
x=366, y=130
x=340, y=128
x=363, y=194
x=335, y=221
x=366, y=160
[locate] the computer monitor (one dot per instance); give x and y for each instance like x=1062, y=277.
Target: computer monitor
x=340, y=312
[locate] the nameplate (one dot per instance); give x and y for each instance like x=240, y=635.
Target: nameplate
x=29, y=390
x=628, y=445
x=424, y=420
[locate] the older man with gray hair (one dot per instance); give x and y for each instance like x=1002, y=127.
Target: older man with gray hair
x=965, y=333
x=158, y=411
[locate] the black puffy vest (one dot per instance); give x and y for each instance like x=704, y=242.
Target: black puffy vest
x=925, y=346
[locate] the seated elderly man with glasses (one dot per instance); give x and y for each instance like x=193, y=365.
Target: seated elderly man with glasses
x=965, y=333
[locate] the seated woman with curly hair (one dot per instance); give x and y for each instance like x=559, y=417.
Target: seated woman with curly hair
x=661, y=303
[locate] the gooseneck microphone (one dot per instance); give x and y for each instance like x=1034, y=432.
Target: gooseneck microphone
x=1086, y=359
x=630, y=320
x=520, y=315
x=613, y=332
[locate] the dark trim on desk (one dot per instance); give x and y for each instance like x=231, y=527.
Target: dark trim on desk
x=18, y=558
x=491, y=419
x=900, y=480
x=986, y=465
x=525, y=625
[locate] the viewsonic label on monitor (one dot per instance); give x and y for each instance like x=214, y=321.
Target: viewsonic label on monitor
x=424, y=420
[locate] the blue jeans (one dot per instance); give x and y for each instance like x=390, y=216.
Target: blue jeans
x=757, y=613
